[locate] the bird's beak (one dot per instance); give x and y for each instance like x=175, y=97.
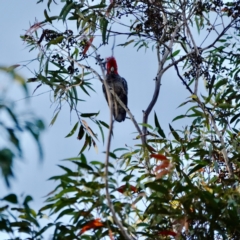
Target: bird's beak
x=112, y=69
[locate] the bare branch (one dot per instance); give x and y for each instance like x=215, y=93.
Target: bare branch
x=158, y=81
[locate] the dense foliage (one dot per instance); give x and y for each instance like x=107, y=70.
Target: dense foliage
x=183, y=186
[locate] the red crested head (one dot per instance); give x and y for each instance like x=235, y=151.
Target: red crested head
x=111, y=65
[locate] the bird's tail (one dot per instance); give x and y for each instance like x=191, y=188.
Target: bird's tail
x=120, y=115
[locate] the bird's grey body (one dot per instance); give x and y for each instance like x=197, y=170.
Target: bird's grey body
x=120, y=88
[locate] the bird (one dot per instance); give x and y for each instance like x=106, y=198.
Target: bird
x=120, y=87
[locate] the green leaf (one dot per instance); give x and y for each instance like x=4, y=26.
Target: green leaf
x=214, y=179
x=48, y=4
x=87, y=115
x=104, y=124
x=65, y=212
x=222, y=40
x=54, y=119
x=27, y=199
x=66, y=9
x=184, y=103
x=225, y=105
x=197, y=24
x=81, y=132
x=156, y=186
x=126, y=43
x=47, y=17
x=179, y=117
x=103, y=27
x=160, y=131
x=12, y=198
x=101, y=130
x=6, y=164
x=220, y=83
x=56, y=40
x=120, y=149
x=73, y=130
x=235, y=117
x=83, y=88
x=112, y=155
x=197, y=167
x=86, y=143
x=127, y=178
x=174, y=133
x=174, y=54
x=83, y=165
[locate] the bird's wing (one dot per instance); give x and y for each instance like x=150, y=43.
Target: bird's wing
x=104, y=92
x=124, y=95
x=125, y=85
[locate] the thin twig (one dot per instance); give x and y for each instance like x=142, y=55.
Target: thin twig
x=196, y=53
x=220, y=136
x=110, y=205
x=202, y=49
x=224, y=151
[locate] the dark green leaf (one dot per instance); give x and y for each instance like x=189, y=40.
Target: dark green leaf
x=86, y=143
x=175, y=134
x=81, y=132
x=47, y=17
x=54, y=118
x=235, y=117
x=6, y=163
x=66, y=9
x=12, y=198
x=126, y=43
x=89, y=114
x=220, y=83
x=104, y=124
x=65, y=212
x=197, y=167
x=103, y=27
x=73, y=130
x=156, y=186
x=178, y=117
x=160, y=131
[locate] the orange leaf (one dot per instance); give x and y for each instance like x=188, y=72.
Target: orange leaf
x=168, y=233
x=164, y=164
x=162, y=173
x=110, y=234
x=88, y=44
x=158, y=156
x=93, y=224
x=123, y=188
x=225, y=9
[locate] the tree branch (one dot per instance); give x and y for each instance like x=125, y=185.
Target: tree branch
x=220, y=136
x=224, y=151
x=203, y=49
x=158, y=81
